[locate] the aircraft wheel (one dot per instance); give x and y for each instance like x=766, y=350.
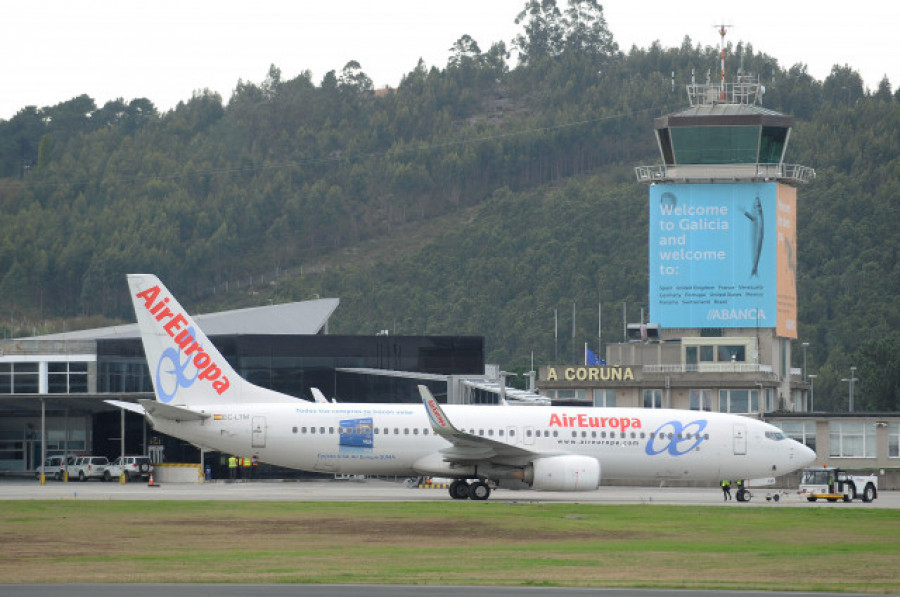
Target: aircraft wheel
x=479, y=490
x=459, y=490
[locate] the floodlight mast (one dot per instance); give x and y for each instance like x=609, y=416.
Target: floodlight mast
x=723, y=29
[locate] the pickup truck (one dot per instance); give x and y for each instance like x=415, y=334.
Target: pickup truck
x=133, y=467
x=88, y=467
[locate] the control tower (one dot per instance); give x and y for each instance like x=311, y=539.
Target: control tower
x=722, y=237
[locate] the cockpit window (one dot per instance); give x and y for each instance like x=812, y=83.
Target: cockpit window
x=775, y=435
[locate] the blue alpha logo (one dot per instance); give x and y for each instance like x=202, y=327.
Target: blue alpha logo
x=173, y=374
x=675, y=438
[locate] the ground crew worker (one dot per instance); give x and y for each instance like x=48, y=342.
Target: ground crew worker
x=245, y=462
x=255, y=468
x=232, y=467
x=726, y=489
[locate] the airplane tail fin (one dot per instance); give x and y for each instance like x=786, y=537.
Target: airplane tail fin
x=185, y=367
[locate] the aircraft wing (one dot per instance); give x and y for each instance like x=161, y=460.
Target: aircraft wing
x=467, y=448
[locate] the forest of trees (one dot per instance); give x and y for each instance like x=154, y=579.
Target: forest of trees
x=478, y=197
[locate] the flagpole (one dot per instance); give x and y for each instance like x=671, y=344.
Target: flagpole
x=555, y=336
x=599, y=330
x=573, y=330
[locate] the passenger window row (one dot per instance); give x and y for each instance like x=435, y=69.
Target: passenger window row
x=356, y=431
x=500, y=433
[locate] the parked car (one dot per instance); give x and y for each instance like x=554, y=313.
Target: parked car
x=88, y=467
x=133, y=467
x=53, y=467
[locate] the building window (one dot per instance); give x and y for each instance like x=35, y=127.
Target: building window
x=729, y=353
x=894, y=440
x=67, y=378
x=19, y=378
x=653, y=398
x=567, y=395
x=5, y=378
x=739, y=401
x=604, y=398
x=690, y=356
x=851, y=439
x=802, y=431
x=701, y=400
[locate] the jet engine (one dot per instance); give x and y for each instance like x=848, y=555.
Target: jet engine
x=563, y=473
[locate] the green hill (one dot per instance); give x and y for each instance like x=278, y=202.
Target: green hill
x=483, y=198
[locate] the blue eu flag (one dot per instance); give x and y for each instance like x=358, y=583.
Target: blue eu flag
x=592, y=359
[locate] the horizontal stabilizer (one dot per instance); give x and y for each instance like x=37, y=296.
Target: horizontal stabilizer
x=129, y=406
x=173, y=413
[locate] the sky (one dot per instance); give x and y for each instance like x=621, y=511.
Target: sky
x=54, y=50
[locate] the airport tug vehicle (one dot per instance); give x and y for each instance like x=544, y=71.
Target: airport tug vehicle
x=833, y=484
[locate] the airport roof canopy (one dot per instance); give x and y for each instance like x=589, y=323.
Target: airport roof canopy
x=301, y=318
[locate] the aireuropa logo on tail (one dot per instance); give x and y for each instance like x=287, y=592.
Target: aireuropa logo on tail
x=434, y=411
x=188, y=362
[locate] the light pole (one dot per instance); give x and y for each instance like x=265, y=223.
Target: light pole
x=851, y=380
x=805, y=346
x=812, y=392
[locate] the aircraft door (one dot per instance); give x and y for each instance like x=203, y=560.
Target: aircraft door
x=258, y=435
x=740, y=439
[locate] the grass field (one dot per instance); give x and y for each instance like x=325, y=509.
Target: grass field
x=451, y=543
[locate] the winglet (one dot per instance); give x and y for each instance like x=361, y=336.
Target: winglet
x=318, y=395
x=439, y=421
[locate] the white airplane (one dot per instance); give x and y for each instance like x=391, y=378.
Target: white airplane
x=201, y=399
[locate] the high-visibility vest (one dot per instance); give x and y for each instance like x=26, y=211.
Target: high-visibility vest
x=245, y=462
x=232, y=462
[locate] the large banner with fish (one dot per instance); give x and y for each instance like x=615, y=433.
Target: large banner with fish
x=787, y=261
x=716, y=256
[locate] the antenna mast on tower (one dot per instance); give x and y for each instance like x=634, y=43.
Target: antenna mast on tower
x=722, y=30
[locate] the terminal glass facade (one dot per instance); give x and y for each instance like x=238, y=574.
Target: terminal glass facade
x=293, y=364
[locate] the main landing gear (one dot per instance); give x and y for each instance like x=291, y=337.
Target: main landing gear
x=463, y=490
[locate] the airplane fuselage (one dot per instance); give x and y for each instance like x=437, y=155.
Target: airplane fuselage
x=397, y=439
x=202, y=399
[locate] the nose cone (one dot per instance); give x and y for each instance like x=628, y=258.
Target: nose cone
x=805, y=456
